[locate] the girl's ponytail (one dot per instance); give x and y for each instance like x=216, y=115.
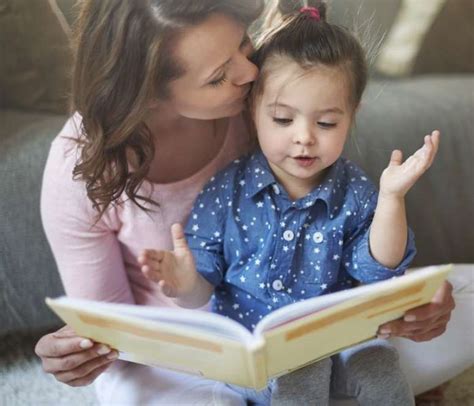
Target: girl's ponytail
x=291, y=7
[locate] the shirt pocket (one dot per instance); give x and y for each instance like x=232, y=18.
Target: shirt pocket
x=323, y=261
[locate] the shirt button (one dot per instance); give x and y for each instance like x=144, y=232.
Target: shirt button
x=288, y=235
x=277, y=285
x=318, y=237
x=276, y=189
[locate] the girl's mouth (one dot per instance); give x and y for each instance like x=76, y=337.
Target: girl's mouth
x=304, y=161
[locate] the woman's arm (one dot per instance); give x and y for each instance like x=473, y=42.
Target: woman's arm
x=90, y=264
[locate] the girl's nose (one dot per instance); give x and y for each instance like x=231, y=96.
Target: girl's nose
x=304, y=136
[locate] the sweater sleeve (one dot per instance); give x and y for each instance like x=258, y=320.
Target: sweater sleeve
x=88, y=255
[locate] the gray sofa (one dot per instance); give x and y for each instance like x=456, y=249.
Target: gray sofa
x=395, y=114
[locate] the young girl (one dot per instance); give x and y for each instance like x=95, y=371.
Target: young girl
x=295, y=220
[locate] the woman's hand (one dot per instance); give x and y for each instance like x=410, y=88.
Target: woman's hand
x=425, y=322
x=73, y=360
x=398, y=177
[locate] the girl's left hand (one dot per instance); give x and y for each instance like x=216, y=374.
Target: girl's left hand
x=398, y=177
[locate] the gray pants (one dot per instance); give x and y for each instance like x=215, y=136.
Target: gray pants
x=369, y=372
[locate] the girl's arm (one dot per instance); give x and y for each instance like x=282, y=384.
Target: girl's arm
x=388, y=232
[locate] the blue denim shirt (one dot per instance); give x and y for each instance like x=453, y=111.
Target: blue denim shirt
x=262, y=251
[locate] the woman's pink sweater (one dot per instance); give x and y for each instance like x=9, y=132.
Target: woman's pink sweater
x=99, y=261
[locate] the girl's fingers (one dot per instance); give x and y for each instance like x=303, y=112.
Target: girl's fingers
x=150, y=255
x=151, y=273
x=435, y=136
x=396, y=157
x=179, y=240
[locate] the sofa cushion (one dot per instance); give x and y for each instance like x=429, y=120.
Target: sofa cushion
x=36, y=60
x=397, y=114
x=27, y=268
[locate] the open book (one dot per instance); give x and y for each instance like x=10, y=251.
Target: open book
x=219, y=348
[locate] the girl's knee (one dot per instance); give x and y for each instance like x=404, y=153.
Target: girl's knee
x=377, y=355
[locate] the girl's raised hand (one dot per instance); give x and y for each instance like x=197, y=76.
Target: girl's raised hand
x=398, y=177
x=174, y=271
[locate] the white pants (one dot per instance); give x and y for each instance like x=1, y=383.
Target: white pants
x=426, y=364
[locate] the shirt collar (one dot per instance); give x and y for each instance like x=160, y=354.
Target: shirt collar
x=259, y=176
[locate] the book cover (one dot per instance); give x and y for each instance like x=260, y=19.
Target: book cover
x=216, y=347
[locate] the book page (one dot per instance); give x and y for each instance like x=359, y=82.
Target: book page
x=303, y=308
x=198, y=320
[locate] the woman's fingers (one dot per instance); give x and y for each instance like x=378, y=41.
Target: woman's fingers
x=72, y=361
x=61, y=343
x=69, y=357
x=441, y=304
x=88, y=379
x=402, y=328
x=81, y=374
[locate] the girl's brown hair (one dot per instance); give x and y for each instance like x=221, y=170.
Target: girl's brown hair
x=310, y=42
x=123, y=60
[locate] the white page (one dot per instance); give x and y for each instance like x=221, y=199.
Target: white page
x=197, y=320
x=303, y=308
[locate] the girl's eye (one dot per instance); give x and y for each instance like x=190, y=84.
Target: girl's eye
x=282, y=121
x=326, y=125
x=218, y=81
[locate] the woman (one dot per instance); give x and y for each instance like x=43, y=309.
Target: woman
x=159, y=86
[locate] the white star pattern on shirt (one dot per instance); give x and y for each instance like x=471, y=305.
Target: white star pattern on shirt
x=254, y=225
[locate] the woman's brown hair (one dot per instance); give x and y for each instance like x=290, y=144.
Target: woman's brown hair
x=123, y=60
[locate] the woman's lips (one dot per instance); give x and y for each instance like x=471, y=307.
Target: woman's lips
x=304, y=161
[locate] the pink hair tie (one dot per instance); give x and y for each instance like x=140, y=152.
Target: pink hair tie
x=313, y=12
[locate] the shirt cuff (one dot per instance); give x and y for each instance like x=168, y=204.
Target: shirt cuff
x=209, y=266
x=366, y=269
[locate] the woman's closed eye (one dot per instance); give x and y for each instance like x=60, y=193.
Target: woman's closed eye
x=326, y=125
x=282, y=121
x=219, y=81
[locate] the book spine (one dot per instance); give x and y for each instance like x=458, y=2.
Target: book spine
x=257, y=365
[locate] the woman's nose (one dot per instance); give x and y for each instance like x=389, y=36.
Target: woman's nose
x=245, y=72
